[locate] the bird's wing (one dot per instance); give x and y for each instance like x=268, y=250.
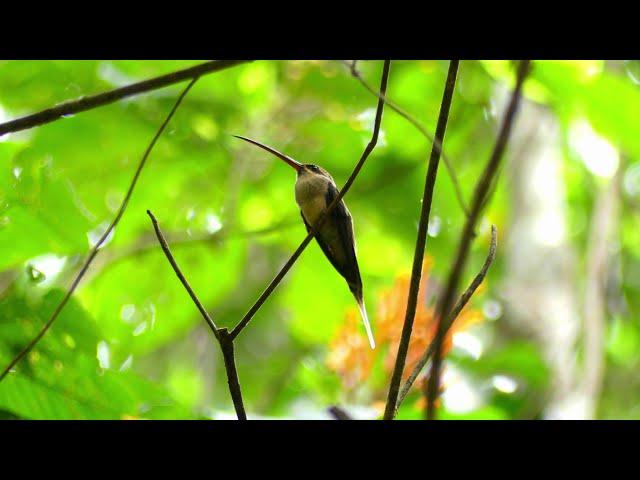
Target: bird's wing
x=348, y=268
x=326, y=249
x=342, y=220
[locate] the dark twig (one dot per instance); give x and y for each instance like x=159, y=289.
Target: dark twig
x=87, y=103
x=421, y=241
x=408, y=117
x=283, y=271
x=226, y=344
x=105, y=235
x=338, y=413
x=462, y=302
x=221, y=334
x=445, y=303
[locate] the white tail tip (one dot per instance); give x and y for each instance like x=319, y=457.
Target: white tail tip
x=367, y=326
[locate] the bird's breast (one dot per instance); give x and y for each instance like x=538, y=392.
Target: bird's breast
x=311, y=192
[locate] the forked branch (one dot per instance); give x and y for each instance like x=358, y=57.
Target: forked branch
x=226, y=339
x=222, y=335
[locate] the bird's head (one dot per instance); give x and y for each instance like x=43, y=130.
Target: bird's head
x=311, y=169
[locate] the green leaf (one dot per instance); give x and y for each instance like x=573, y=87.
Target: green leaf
x=61, y=377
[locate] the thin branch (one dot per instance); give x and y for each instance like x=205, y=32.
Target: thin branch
x=421, y=241
x=412, y=120
x=87, y=103
x=183, y=280
x=445, y=303
x=462, y=302
x=283, y=271
x=105, y=235
x=221, y=334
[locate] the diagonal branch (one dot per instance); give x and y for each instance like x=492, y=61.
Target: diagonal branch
x=105, y=235
x=482, y=187
x=87, y=103
x=283, y=271
x=462, y=302
x=183, y=280
x=222, y=334
x=421, y=241
x=408, y=117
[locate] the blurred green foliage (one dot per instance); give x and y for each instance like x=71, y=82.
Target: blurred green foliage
x=132, y=344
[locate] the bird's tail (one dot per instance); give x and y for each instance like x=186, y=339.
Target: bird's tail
x=356, y=288
x=365, y=320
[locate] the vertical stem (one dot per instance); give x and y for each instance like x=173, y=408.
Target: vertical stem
x=421, y=241
x=226, y=344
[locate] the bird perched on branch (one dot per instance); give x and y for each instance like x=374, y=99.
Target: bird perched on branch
x=315, y=190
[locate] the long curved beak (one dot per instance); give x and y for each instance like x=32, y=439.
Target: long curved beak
x=296, y=165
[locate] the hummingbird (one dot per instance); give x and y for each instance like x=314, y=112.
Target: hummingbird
x=315, y=189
